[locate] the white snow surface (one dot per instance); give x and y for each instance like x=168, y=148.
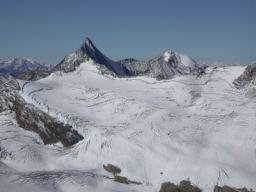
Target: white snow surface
x=184, y=60
x=202, y=129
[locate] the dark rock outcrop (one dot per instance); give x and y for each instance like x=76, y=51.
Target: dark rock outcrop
x=121, y=179
x=8, y=91
x=33, y=119
x=169, y=187
x=226, y=188
x=112, y=169
x=184, y=186
x=134, y=66
x=166, y=66
x=33, y=75
x=49, y=129
x=248, y=77
x=171, y=63
x=89, y=52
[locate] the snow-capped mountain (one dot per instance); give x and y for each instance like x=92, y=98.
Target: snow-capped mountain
x=17, y=66
x=166, y=66
x=155, y=131
x=89, y=52
x=171, y=63
x=58, y=133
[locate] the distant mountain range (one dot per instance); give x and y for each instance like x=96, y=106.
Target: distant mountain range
x=93, y=124
x=165, y=66
x=17, y=66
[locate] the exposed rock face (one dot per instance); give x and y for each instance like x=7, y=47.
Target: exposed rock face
x=8, y=89
x=169, y=187
x=33, y=75
x=134, y=66
x=49, y=129
x=171, y=63
x=121, y=179
x=184, y=186
x=248, y=77
x=226, y=188
x=31, y=118
x=86, y=52
x=112, y=169
x=165, y=66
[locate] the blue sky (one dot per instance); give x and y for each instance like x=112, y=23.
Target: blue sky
x=207, y=30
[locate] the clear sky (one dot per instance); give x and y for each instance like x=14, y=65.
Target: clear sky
x=207, y=30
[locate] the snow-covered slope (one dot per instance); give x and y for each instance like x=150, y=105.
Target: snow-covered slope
x=17, y=66
x=155, y=131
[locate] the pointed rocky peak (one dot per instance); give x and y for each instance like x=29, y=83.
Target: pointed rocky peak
x=88, y=46
x=86, y=52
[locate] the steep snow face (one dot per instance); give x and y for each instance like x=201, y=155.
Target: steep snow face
x=17, y=66
x=187, y=127
x=89, y=52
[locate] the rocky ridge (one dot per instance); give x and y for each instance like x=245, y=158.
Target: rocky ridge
x=33, y=119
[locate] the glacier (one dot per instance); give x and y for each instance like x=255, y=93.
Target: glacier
x=202, y=128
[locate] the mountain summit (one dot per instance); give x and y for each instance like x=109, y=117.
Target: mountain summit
x=87, y=52
x=171, y=63
x=165, y=66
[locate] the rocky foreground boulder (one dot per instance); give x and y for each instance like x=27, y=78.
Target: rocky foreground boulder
x=32, y=118
x=226, y=188
x=112, y=169
x=183, y=186
x=186, y=186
